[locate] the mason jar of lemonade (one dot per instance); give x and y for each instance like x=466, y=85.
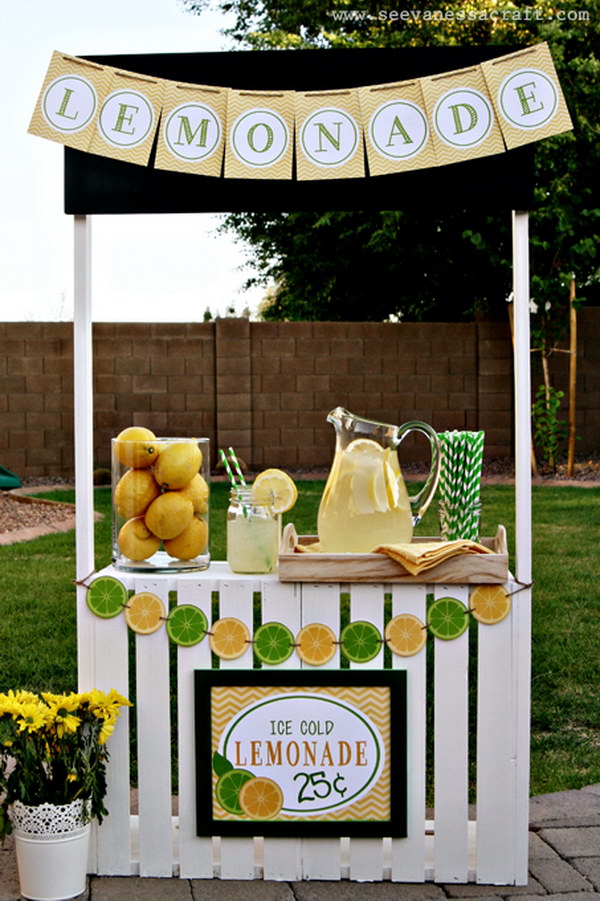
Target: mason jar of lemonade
x=252, y=533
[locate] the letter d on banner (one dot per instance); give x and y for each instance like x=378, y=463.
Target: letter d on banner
x=259, y=134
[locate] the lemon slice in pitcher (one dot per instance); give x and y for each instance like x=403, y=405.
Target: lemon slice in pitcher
x=275, y=488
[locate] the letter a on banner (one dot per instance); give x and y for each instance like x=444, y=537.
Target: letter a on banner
x=462, y=115
x=259, y=134
x=67, y=107
x=329, y=135
x=396, y=127
x=128, y=117
x=192, y=130
x=527, y=96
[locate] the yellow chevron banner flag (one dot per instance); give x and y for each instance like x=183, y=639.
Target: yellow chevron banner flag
x=396, y=127
x=128, y=117
x=67, y=107
x=464, y=125
x=260, y=128
x=329, y=135
x=527, y=96
x=192, y=133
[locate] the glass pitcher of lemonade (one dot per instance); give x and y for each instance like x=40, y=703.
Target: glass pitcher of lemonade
x=365, y=502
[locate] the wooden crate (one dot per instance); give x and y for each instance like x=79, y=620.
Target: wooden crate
x=296, y=566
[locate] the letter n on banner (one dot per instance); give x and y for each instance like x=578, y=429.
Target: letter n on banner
x=329, y=142
x=396, y=127
x=67, y=107
x=128, y=117
x=192, y=133
x=462, y=116
x=259, y=134
x=527, y=95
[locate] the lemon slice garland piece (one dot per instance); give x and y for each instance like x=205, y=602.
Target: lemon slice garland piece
x=490, y=604
x=405, y=635
x=145, y=612
x=229, y=637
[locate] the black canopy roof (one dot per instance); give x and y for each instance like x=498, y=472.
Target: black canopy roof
x=97, y=184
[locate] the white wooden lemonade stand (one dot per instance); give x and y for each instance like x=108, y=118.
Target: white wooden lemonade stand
x=450, y=847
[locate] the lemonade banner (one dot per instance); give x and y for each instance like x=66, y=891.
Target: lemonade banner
x=431, y=121
x=312, y=752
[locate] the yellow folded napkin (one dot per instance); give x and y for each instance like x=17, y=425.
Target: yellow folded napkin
x=422, y=555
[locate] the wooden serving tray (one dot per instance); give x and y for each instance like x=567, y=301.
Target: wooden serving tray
x=464, y=569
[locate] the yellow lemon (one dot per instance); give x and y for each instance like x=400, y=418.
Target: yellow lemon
x=197, y=491
x=134, y=492
x=169, y=514
x=189, y=543
x=136, y=447
x=136, y=541
x=178, y=464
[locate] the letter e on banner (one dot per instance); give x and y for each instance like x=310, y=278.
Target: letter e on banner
x=396, y=128
x=259, y=134
x=192, y=133
x=67, y=107
x=527, y=96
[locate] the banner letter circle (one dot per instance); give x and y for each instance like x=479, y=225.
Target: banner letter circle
x=69, y=103
x=528, y=98
x=399, y=129
x=463, y=117
x=125, y=119
x=259, y=137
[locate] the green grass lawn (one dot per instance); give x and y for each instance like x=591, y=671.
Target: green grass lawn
x=37, y=613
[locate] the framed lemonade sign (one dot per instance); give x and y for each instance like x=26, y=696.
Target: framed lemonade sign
x=298, y=753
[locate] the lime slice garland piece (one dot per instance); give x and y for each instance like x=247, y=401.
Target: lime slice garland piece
x=360, y=641
x=273, y=643
x=186, y=625
x=447, y=618
x=227, y=790
x=106, y=597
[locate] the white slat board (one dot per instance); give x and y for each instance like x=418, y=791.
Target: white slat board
x=154, y=743
x=451, y=750
x=195, y=853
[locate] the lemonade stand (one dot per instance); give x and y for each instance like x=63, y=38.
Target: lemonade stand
x=312, y=766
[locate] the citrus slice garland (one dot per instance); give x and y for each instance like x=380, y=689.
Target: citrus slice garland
x=106, y=596
x=260, y=798
x=227, y=790
x=186, y=625
x=447, y=618
x=229, y=638
x=405, y=635
x=316, y=644
x=273, y=643
x=144, y=612
x=490, y=604
x=275, y=488
x=360, y=641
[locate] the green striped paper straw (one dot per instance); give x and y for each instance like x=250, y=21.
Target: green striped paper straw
x=460, y=483
x=236, y=465
x=234, y=484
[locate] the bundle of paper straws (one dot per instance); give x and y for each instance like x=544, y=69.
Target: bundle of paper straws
x=460, y=484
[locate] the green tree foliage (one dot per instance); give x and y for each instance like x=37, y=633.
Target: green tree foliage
x=373, y=266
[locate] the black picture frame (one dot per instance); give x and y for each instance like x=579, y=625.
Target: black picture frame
x=208, y=825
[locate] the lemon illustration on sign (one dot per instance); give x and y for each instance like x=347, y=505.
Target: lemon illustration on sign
x=360, y=641
x=490, y=604
x=169, y=514
x=405, y=635
x=134, y=492
x=447, y=618
x=106, y=596
x=227, y=790
x=273, y=643
x=229, y=637
x=136, y=447
x=275, y=488
x=136, y=541
x=144, y=612
x=197, y=491
x=316, y=644
x=178, y=464
x=260, y=798
x=189, y=543
x=186, y=625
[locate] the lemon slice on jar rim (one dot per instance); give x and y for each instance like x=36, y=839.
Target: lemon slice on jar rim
x=275, y=488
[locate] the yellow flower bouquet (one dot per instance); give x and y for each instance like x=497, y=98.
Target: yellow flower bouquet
x=53, y=749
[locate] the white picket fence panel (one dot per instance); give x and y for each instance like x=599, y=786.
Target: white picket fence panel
x=158, y=841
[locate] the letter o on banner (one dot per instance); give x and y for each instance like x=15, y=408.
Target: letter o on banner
x=463, y=117
x=259, y=137
x=69, y=103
